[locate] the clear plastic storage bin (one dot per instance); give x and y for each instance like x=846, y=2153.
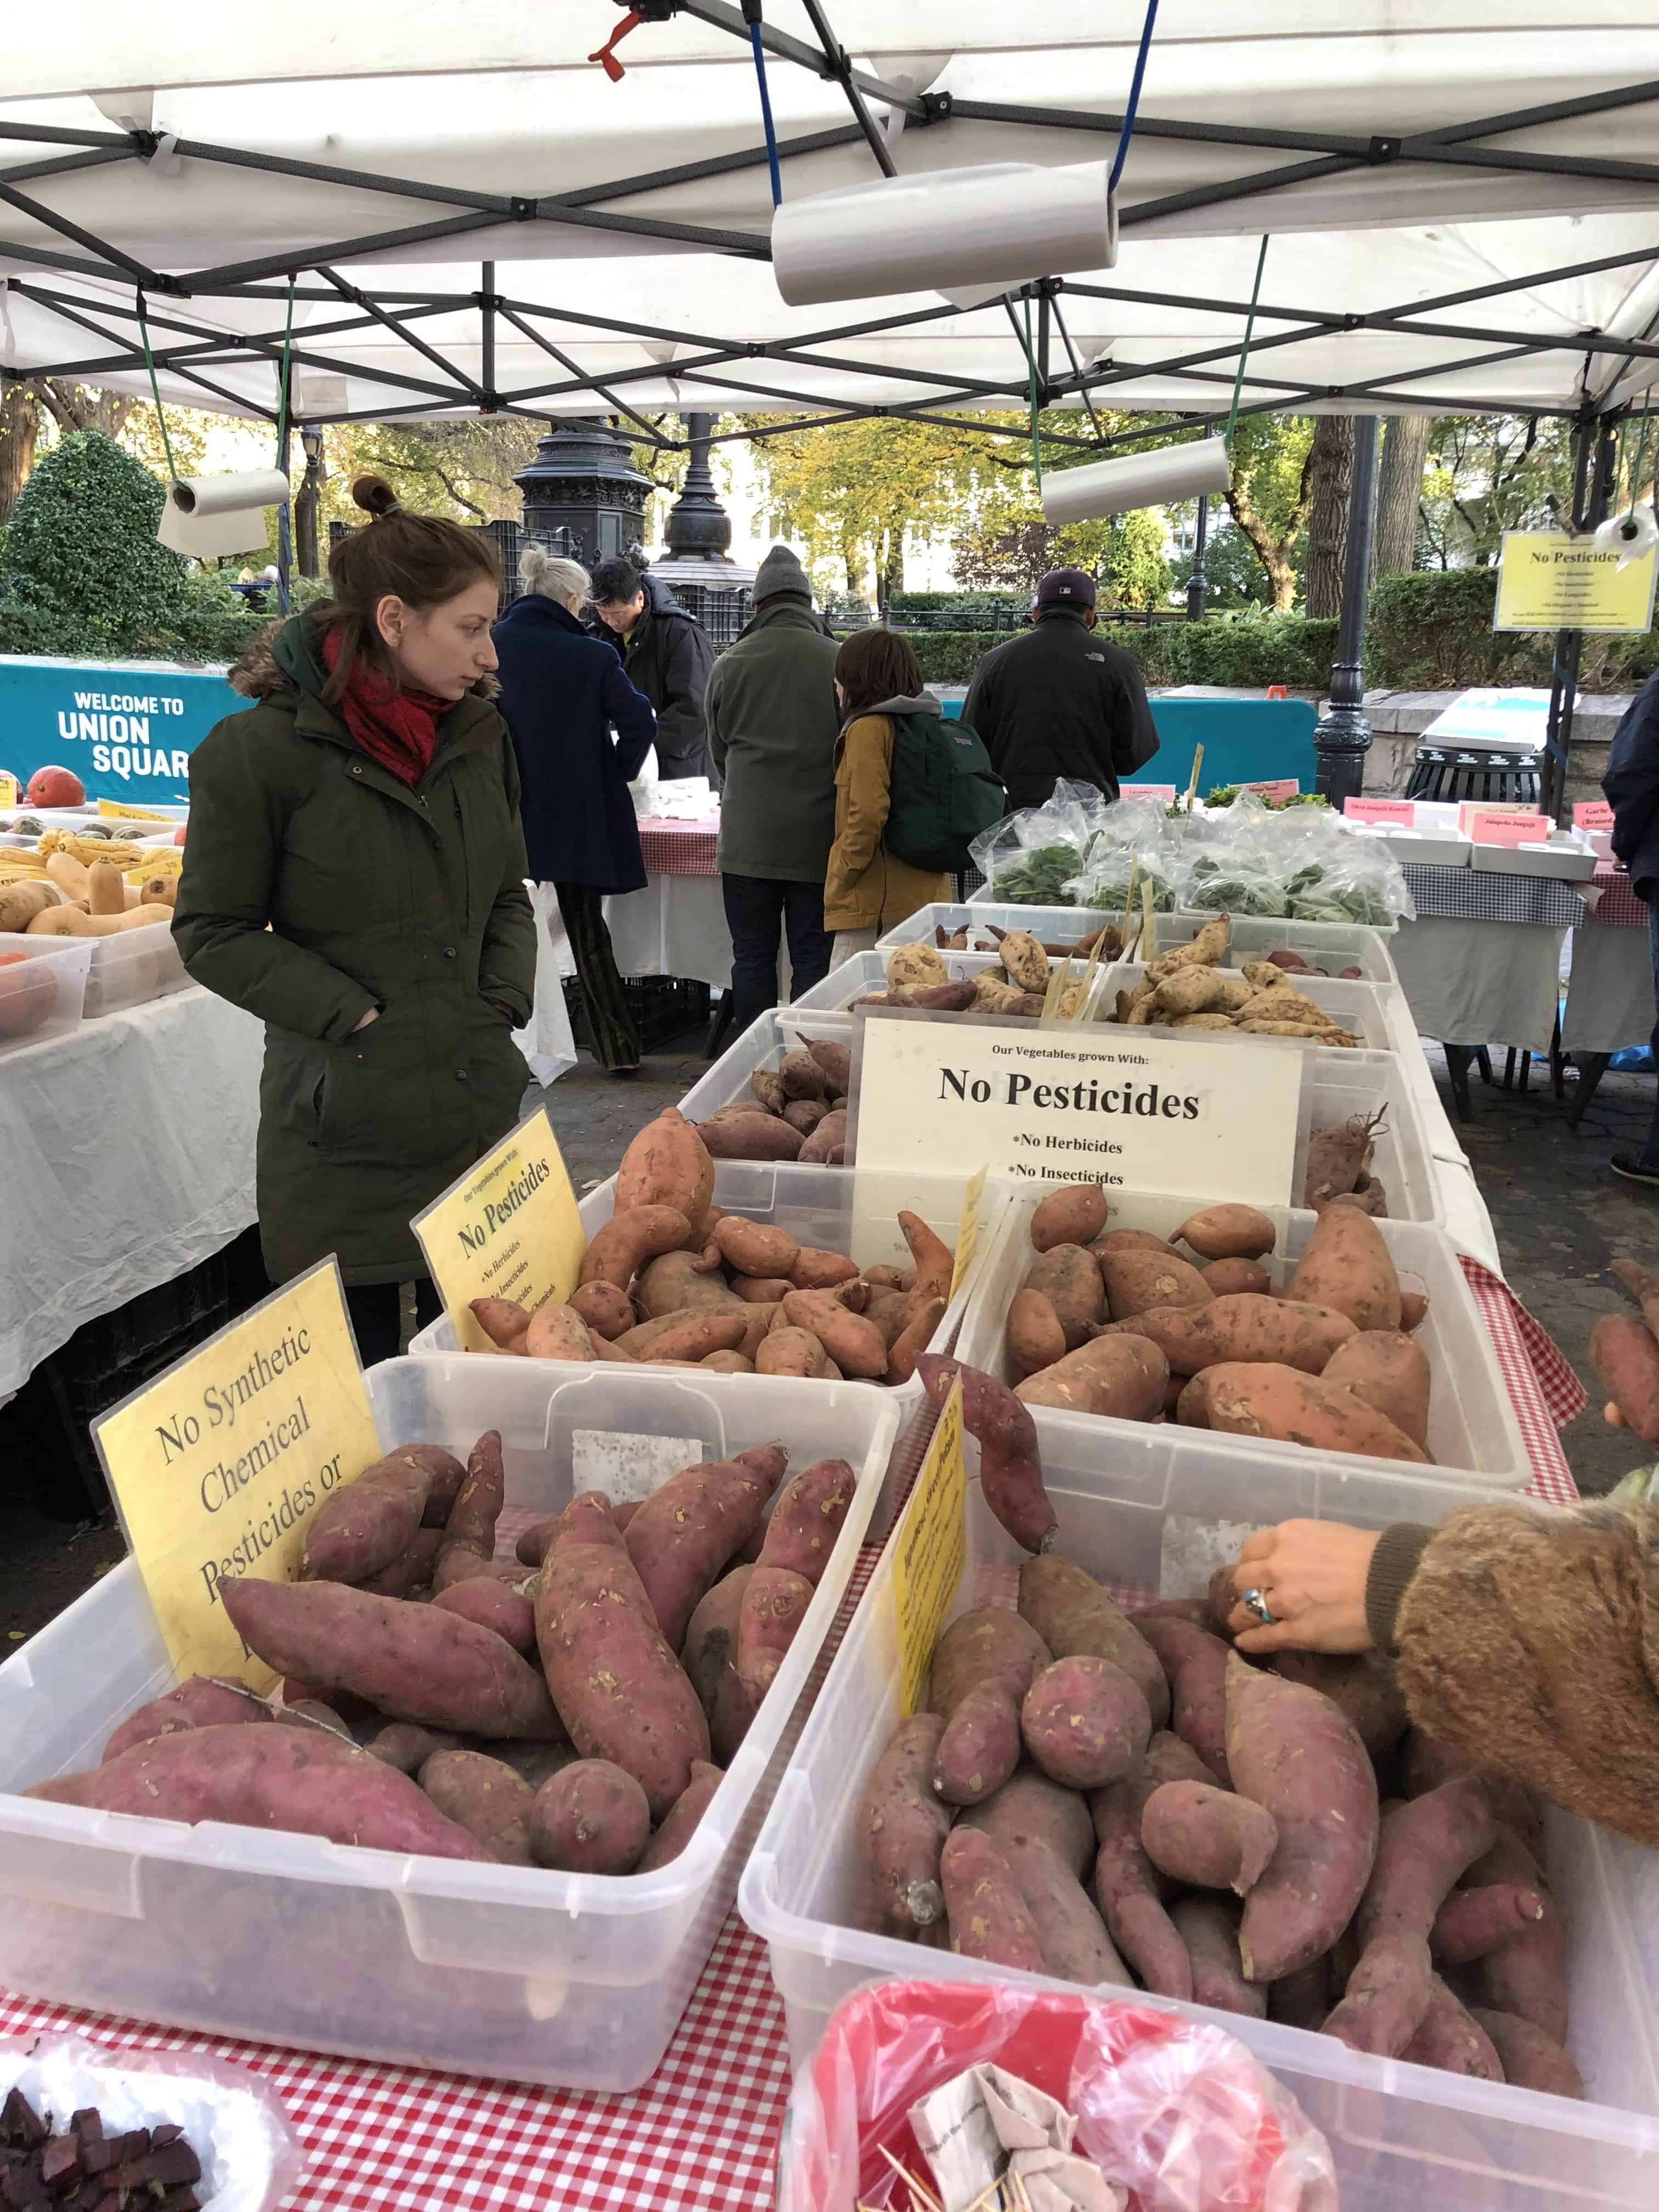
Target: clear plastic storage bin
x=763, y=1044
x=134, y=967
x=571, y=1980
x=1329, y=945
x=43, y=982
x=1359, y=1008
x=1404, y=2139
x=1474, y=1435
x=867, y=971
x=1050, y=925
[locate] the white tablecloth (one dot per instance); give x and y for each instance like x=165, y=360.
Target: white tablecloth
x=675, y=926
x=1482, y=982
x=1467, y=1222
x=1610, y=993
x=129, y=1152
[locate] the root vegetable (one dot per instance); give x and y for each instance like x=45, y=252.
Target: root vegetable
x=1451, y=2040
x=1085, y=1723
x=406, y=1746
x=805, y=1114
x=667, y=1164
x=988, y=1917
x=1227, y=1233
x=412, y=1567
x=915, y=967
x=1386, y=1998
x=1302, y=1999
x=590, y=1817
x=905, y=1823
x=1068, y=1277
x=629, y=1239
x=1207, y=1837
x=468, y=1542
x=1024, y=960
x=1208, y=1929
x=363, y=1526
x=1413, y=1310
x=1136, y=1281
x=199, y=1701
x=1118, y=1241
x=1075, y=1618
x=856, y=1346
x=774, y=1607
x=1074, y=1214
x=1530, y=2059
x=791, y=1352
x=1473, y=1921
x=829, y=1136
x=1364, y=1686
x=304, y=1780
x=1195, y=1665
x=1390, y=1372
x=557, y=1332
x=416, y=1662
x=1290, y=1408
x=934, y=1259
x=684, y=1533
x=681, y=1824
x=604, y=1309
x=1227, y=1277
x=1527, y=1975
x=618, y=1687
x=756, y=1248
x=1193, y=1406
x=1045, y=1834
x=710, y=1659
x=493, y=1605
x=486, y=1798
x=1346, y=1264
x=754, y=1136
x=802, y=1078
x=1247, y=1327
x=1337, y=1156
x=1292, y=1752
x=1623, y=1356
x=1010, y=1465
x=821, y=1271
x=766, y=1086
x=1127, y=1891
x=913, y=1340
x=983, y=1665
x=694, y=1336
x=837, y=1061
x=1188, y=992
x=1170, y=1759
x=1122, y=1377
x=503, y=1320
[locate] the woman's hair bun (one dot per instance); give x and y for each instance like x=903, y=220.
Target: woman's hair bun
x=375, y=496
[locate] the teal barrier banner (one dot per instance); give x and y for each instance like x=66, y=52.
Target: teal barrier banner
x=127, y=728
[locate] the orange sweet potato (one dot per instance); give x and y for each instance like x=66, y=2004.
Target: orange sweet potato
x=837, y=1061
x=1623, y=1356
x=791, y=1352
x=629, y=1239
x=830, y=1133
x=1245, y=1326
x=1035, y=1337
x=604, y=1311
x=933, y=1258
x=684, y=1533
x=677, y=1279
x=1123, y=1377
x=591, y=1817
x=913, y=1340
x=1073, y=1214
x=1292, y=1407
x=905, y=1823
x=856, y=1346
x=1346, y=1265
x=503, y=1320
x=1390, y=1370
x=756, y=1248
x=1227, y=1233
x=1227, y=1276
x=667, y=1164
x=1118, y=1241
x=816, y=1270
x=1413, y=1310
x=1136, y=1281
x=557, y=1332
x=698, y=1335
x=1193, y=1406
x=1069, y=1278
x=755, y=1136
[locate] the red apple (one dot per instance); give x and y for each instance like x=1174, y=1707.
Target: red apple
x=55, y=787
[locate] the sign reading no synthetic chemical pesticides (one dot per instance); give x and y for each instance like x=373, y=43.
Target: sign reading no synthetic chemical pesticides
x=508, y=1228
x=217, y=1465
x=1087, y=1103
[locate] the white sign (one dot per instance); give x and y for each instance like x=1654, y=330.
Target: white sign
x=1087, y=1103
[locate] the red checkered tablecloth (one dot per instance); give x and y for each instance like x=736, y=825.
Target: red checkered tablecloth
x=678, y=848
x=1617, y=908
x=703, y=2132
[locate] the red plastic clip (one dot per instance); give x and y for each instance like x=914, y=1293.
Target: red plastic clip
x=606, y=56
x=1279, y=690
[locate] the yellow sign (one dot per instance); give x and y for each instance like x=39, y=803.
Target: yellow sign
x=1548, y=581
x=217, y=1465
x=507, y=1229
x=112, y=809
x=968, y=1232
x=930, y=1554
x=8, y=790
x=158, y=861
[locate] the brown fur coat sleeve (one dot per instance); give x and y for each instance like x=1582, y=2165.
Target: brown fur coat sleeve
x=1530, y=1641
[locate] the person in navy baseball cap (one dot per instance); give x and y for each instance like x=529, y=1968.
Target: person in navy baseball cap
x=1058, y=701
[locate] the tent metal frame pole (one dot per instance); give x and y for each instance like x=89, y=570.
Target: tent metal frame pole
x=721, y=18
x=644, y=427
x=714, y=165
x=466, y=384
x=840, y=68
x=1594, y=461
x=487, y=333
x=65, y=165
x=1343, y=737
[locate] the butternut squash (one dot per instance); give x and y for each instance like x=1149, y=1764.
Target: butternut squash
x=70, y=874
x=105, y=890
x=74, y=921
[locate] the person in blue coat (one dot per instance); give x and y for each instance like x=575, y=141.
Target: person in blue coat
x=562, y=693
x=1631, y=788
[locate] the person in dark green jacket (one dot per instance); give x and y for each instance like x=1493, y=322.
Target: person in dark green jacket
x=354, y=876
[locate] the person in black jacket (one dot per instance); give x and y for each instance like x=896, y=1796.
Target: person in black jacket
x=668, y=654
x=1631, y=788
x=562, y=692
x=1060, y=701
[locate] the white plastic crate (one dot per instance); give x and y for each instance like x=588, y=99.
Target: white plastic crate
x=1356, y=1007
x=1050, y=925
x=566, y=1980
x=133, y=966
x=1329, y=944
x=1474, y=1435
x=867, y=971
x=763, y=1044
x=42, y=986
x=1404, y=2139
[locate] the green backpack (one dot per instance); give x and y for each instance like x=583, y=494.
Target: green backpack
x=943, y=792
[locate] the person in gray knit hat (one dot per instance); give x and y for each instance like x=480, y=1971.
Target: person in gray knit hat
x=772, y=729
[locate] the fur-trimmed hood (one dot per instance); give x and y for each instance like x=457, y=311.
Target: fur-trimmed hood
x=277, y=659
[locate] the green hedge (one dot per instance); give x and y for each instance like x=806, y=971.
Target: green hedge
x=1223, y=649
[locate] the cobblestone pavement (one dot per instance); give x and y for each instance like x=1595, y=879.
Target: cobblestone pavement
x=1560, y=1218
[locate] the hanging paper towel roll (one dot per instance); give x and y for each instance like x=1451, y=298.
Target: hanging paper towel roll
x=1159, y=479
x=943, y=230
x=1633, y=533
x=211, y=516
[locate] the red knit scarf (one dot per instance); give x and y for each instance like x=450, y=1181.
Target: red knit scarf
x=398, y=729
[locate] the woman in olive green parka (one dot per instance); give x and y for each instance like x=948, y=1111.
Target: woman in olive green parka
x=354, y=876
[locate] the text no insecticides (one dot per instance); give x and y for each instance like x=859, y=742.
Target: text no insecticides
x=217, y=1465
x=1085, y=1104
x=508, y=1228
x=930, y=1554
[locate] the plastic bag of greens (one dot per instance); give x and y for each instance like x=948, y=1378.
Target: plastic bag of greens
x=1136, y=840
x=1359, y=882
x=1027, y=857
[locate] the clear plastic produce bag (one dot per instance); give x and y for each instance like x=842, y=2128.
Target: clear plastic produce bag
x=1175, y=2109
x=1134, y=839
x=1028, y=857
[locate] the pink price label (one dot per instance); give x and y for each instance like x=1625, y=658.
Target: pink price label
x=1503, y=825
x=1285, y=786
x=1162, y=791
x=1592, y=814
x=1392, y=813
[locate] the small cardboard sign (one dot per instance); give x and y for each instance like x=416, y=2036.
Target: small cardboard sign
x=1592, y=814
x=1502, y=825
x=930, y=1554
x=217, y=1465
x=508, y=1228
x=1164, y=792
x=111, y=810
x=1283, y=787
x=967, y=1230
x=1386, y=813
x=8, y=794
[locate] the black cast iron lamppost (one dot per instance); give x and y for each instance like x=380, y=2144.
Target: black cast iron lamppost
x=1344, y=735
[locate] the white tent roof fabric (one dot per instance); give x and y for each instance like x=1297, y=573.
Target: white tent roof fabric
x=1462, y=198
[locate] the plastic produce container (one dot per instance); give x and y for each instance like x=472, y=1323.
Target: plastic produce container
x=1474, y=1435
x=1356, y=1007
x=133, y=966
x=763, y=1044
x=571, y=1980
x=43, y=984
x=867, y=971
x=1050, y=925
x=1329, y=945
x=1405, y=2138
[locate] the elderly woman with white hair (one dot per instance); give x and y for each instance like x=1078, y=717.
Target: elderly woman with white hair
x=564, y=694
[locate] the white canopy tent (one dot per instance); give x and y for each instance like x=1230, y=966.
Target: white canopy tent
x=1463, y=211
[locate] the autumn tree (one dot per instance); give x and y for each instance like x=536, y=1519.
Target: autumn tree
x=1272, y=493
x=1400, y=494
x=1489, y=473
x=1331, y=456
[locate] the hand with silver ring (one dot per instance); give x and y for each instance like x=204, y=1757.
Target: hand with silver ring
x=1302, y=1588
x=1253, y=1602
